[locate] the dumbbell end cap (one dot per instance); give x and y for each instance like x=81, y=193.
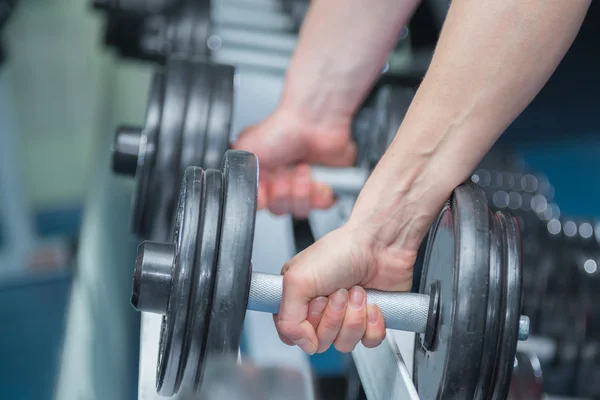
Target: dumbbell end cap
x=152, y=277
x=125, y=150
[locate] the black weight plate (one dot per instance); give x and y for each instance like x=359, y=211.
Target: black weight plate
x=204, y=275
x=492, y=336
x=173, y=328
x=218, y=125
x=166, y=173
x=197, y=113
x=146, y=155
x=188, y=29
x=209, y=115
x=234, y=266
x=391, y=105
x=511, y=294
x=458, y=258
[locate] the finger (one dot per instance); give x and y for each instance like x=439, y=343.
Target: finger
x=332, y=319
x=298, y=289
x=375, y=332
x=321, y=196
x=316, y=307
x=301, y=189
x=284, y=339
x=280, y=190
x=355, y=321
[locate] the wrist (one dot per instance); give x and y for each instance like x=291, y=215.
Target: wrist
x=322, y=109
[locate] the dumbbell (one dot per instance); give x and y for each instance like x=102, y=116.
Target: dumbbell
x=223, y=32
x=467, y=314
x=188, y=123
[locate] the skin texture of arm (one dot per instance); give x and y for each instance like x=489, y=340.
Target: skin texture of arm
x=492, y=59
x=342, y=48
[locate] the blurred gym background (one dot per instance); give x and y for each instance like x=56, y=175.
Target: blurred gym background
x=61, y=95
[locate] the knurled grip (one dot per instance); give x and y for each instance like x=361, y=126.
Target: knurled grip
x=348, y=180
x=401, y=310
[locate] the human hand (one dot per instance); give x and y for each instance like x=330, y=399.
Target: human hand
x=324, y=300
x=286, y=143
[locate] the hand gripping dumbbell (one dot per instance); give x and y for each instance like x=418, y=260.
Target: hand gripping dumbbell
x=188, y=123
x=467, y=314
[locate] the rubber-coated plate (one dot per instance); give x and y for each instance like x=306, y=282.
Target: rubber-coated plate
x=197, y=113
x=218, y=125
x=234, y=266
x=492, y=336
x=204, y=274
x=209, y=114
x=143, y=172
x=189, y=29
x=391, y=105
x=173, y=329
x=166, y=172
x=457, y=256
x=511, y=294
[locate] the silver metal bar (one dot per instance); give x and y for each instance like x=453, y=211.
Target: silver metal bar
x=401, y=310
x=341, y=180
x=240, y=57
x=255, y=39
x=251, y=17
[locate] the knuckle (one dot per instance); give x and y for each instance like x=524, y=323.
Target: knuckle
x=344, y=346
x=330, y=323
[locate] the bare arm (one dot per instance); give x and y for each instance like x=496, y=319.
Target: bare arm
x=342, y=49
x=492, y=59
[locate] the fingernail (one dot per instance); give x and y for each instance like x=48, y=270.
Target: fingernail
x=339, y=300
x=372, y=314
x=318, y=306
x=356, y=297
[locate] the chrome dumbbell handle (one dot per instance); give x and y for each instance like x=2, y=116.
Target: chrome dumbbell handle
x=401, y=310
x=345, y=180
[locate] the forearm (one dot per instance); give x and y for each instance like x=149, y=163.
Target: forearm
x=342, y=48
x=492, y=59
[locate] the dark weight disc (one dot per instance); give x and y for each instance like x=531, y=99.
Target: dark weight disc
x=218, y=123
x=458, y=257
x=234, y=265
x=173, y=329
x=511, y=296
x=166, y=173
x=197, y=112
x=204, y=274
x=146, y=155
x=182, y=32
x=391, y=106
x=209, y=114
x=492, y=337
